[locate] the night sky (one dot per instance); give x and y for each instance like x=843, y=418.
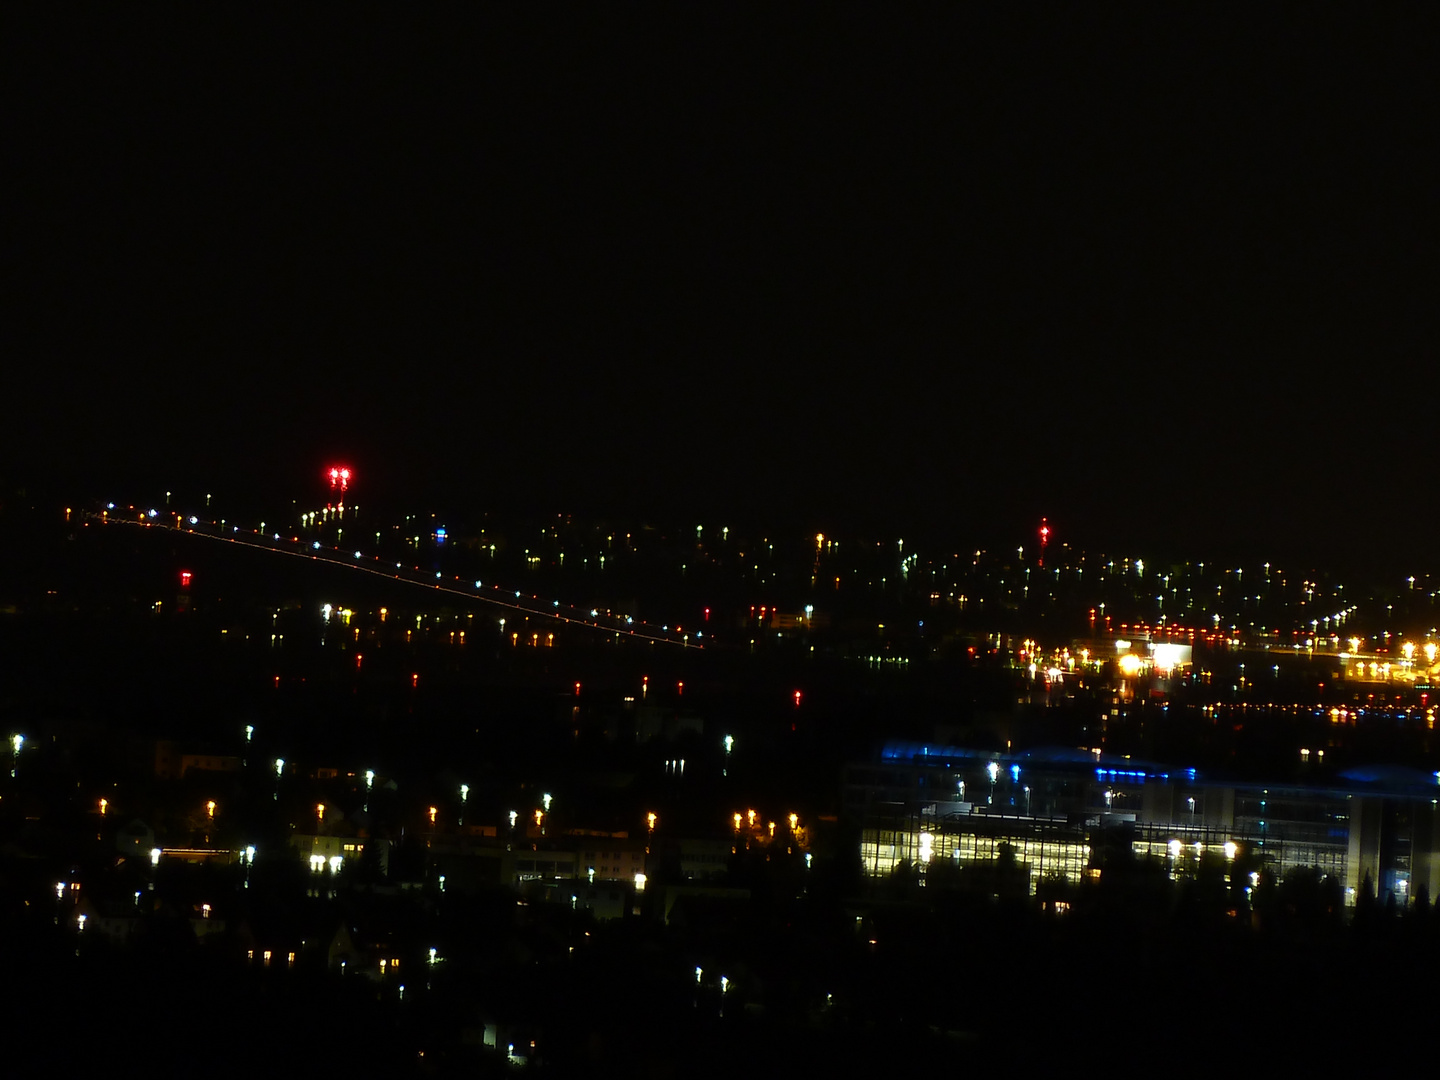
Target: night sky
x=1168, y=279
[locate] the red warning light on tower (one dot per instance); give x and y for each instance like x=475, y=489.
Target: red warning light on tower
x=1044, y=538
x=339, y=476
x=185, y=577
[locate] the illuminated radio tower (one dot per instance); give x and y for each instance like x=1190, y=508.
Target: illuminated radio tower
x=1044, y=538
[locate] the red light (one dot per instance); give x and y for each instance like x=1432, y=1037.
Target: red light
x=414, y=680
x=679, y=688
x=185, y=576
x=577, y=689
x=797, y=699
x=707, y=614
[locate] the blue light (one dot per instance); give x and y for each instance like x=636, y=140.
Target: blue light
x=1015, y=773
x=477, y=584
x=439, y=536
x=316, y=545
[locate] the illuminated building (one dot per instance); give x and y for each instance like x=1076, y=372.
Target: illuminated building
x=1047, y=814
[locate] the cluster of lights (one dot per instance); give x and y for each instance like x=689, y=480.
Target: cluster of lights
x=643, y=631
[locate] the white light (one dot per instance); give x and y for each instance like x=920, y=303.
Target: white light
x=194, y=521
x=1231, y=849
x=639, y=881
x=279, y=766
x=335, y=863
x=155, y=856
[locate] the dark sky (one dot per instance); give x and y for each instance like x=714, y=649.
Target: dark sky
x=1169, y=279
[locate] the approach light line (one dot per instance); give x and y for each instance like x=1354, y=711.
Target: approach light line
x=322, y=555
